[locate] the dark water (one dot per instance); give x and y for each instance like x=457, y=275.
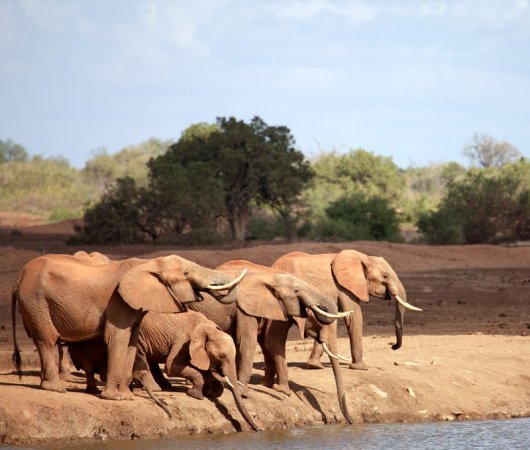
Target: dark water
x=489, y=434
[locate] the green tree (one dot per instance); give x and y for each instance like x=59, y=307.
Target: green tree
x=356, y=173
x=228, y=169
x=44, y=186
x=104, y=168
x=115, y=219
x=11, y=151
x=425, y=188
x=486, y=151
x=356, y=217
x=488, y=205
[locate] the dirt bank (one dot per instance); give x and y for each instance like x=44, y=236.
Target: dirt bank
x=466, y=356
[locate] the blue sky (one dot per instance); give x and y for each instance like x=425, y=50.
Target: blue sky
x=413, y=80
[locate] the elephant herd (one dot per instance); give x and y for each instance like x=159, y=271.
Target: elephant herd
x=122, y=319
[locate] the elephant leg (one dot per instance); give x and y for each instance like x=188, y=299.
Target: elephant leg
x=159, y=377
x=313, y=362
x=270, y=373
x=91, y=385
x=128, y=363
x=195, y=376
x=119, y=325
x=142, y=373
x=64, y=362
x=275, y=341
x=246, y=342
x=49, y=371
x=354, y=325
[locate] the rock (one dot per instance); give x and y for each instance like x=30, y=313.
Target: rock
x=396, y=363
x=457, y=413
x=411, y=392
x=378, y=391
x=410, y=363
x=524, y=333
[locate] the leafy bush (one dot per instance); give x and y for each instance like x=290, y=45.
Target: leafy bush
x=357, y=218
x=490, y=205
x=115, y=219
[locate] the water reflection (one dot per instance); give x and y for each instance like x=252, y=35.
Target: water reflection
x=491, y=434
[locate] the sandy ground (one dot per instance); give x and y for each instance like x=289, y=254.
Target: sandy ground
x=467, y=355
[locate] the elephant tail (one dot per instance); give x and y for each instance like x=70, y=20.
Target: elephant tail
x=159, y=402
x=17, y=361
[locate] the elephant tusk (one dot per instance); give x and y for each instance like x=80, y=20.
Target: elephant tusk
x=406, y=305
x=240, y=384
x=332, y=316
x=229, y=383
x=332, y=355
x=213, y=287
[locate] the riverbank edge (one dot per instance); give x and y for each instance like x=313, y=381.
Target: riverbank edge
x=457, y=378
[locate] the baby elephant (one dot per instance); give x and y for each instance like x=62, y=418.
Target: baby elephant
x=190, y=346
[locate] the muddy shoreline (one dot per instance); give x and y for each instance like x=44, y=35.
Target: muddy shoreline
x=465, y=357
x=432, y=378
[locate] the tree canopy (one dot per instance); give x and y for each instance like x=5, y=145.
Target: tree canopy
x=223, y=172
x=11, y=151
x=487, y=151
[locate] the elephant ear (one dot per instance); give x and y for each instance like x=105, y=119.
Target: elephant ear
x=301, y=323
x=198, y=353
x=257, y=297
x=349, y=273
x=143, y=286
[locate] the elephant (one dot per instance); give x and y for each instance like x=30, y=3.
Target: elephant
x=266, y=293
x=92, y=257
x=64, y=299
x=190, y=345
x=349, y=277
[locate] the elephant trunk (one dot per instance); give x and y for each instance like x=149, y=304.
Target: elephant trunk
x=327, y=336
x=400, y=314
x=159, y=402
x=234, y=387
x=340, y=389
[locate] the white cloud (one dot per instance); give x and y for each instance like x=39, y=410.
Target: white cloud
x=355, y=11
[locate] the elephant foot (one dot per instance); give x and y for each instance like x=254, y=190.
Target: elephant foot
x=195, y=393
x=93, y=390
x=56, y=386
x=358, y=366
x=282, y=388
x=127, y=394
x=113, y=394
x=314, y=364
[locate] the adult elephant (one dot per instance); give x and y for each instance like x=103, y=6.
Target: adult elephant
x=269, y=294
x=65, y=299
x=349, y=277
